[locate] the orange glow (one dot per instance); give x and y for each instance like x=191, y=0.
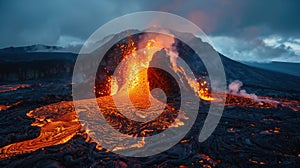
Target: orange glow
x=265, y=103
x=7, y=88
x=114, y=85
x=137, y=79
x=209, y=159
x=4, y=107
x=257, y=162
x=150, y=43
x=136, y=74
x=56, y=128
x=202, y=90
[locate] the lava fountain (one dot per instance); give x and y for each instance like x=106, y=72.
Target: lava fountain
x=137, y=81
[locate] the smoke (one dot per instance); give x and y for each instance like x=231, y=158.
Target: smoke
x=234, y=88
x=165, y=40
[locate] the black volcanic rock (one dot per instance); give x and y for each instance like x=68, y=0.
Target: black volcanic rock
x=245, y=136
x=27, y=66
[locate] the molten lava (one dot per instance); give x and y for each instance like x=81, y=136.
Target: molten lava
x=136, y=80
x=8, y=88
x=262, y=102
x=58, y=123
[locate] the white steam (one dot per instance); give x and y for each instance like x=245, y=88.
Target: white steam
x=234, y=88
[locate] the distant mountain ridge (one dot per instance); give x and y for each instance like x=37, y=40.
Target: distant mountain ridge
x=284, y=67
x=31, y=48
x=41, y=48
x=16, y=66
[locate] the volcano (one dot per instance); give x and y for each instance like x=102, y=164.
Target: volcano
x=39, y=125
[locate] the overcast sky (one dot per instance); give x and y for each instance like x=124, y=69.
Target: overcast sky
x=248, y=30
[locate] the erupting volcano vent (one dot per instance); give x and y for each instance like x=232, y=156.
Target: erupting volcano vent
x=132, y=78
x=137, y=53
x=147, y=95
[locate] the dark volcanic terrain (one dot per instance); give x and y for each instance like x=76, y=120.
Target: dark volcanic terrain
x=39, y=127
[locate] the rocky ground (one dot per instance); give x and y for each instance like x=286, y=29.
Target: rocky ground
x=39, y=129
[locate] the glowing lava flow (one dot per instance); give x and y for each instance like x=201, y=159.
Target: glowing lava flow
x=8, y=88
x=137, y=82
x=58, y=124
x=239, y=97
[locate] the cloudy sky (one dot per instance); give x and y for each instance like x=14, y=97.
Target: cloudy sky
x=248, y=30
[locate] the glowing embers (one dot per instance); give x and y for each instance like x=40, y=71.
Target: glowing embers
x=131, y=76
x=4, y=107
x=137, y=56
x=7, y=106
x=201, y=89
x=8, y=88
x=113, y=85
